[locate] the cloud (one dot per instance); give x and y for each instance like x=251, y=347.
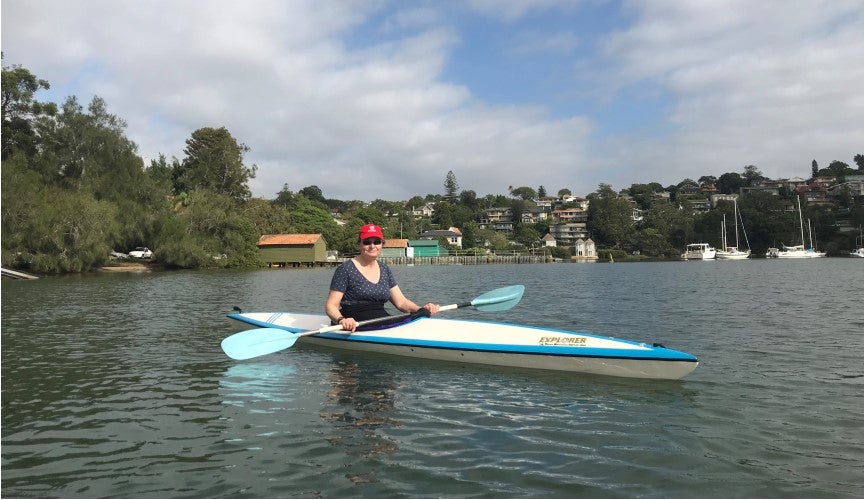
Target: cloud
x=751, y=83
x=353, y=96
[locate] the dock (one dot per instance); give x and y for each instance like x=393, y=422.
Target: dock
x=8, y=273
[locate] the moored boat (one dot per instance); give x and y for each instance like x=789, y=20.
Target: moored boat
x=699, y=251
x=728, y=252
x=798, y=251
x=489, y=343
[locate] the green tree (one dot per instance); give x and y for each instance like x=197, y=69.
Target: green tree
x=752, y=175
x=524, y=193
x=610, y=218
x=314, y=194
x=20, y=109
x=442, y=216
x=469, y=200
x=838, y=169
x=451, y=186
x=669, y=221
x=730, y=183
x=215, y=161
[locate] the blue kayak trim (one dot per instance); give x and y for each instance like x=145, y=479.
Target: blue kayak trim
x=649, y=352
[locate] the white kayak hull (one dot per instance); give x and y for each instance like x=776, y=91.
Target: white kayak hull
x=487, y=343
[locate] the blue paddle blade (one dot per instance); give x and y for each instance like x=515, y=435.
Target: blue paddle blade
x=499, y=300
x=257, y=342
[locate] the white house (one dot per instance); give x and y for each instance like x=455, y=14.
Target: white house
x=453, y=235
x=586, y=249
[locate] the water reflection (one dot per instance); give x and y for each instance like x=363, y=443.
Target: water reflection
x=246, y=384
x=361, y=402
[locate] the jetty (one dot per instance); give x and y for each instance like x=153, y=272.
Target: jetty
x=18, y=275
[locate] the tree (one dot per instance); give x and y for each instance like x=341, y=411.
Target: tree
x=730, y=183
x=707, y=180
x=468, y=199
x=564, y=192
x=20, y=109
x=815, y=169
x=451, y=186
x=838, y=169
x=284, y=197
x=523, y=192
x=414, y=203
x=859, y=160
x=215, y=161
x=610, y=218
x=541, y=192
x=442, y=216
x=313, y=193
x=752, y=175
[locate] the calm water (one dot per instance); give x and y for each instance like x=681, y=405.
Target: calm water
x=115, y=386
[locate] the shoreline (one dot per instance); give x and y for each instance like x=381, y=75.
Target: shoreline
x=127, y=267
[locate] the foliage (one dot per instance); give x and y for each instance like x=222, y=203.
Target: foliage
x=215, y=162
x=450, y=185
x=610, y=218
x=74, y=188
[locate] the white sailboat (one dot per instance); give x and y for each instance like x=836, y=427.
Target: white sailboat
x=799, y=251
x=860, y=251
x=728, y=252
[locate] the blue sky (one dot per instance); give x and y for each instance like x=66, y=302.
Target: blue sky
x=380, y=99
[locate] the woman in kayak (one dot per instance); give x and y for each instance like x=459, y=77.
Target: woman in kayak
x=361, y=286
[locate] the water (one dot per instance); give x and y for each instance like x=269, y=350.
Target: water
x=115, y=386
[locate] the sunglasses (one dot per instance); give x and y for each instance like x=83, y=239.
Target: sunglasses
x=372, y=241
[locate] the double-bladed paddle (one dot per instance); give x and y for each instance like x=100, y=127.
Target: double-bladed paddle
x=261, y=341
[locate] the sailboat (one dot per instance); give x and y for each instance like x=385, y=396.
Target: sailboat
x=799, y=251
x=860, y=251
x=732, y=253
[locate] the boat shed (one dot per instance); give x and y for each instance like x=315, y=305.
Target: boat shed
x=293, y=249
x=396, y=248
x=425, y=248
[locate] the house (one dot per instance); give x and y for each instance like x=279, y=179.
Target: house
x=717, y=198
x=534, y=214
x=453, y=235
x=426, y=210
x=396, y=248
x=567, y=232
x=699, y=206
x=424, y=248
x=549, y=241
x=585, y=249
x=570, y=215
x=282, y=249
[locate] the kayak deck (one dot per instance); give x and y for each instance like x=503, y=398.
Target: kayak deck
x=490, y=343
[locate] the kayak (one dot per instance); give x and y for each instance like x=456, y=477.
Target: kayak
x=488, y=343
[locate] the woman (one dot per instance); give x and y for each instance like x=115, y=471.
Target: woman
x=361, y=286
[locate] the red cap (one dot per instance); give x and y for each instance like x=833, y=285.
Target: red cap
x=370, y=231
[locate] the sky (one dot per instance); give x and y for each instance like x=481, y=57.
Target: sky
x=380, y=99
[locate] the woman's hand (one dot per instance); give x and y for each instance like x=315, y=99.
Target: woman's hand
x=432, y=307
x=349, y=324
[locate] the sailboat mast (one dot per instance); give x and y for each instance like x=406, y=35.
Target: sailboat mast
x=801, y=224
x=735, y=216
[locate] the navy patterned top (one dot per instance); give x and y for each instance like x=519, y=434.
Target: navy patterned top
x=362, y=299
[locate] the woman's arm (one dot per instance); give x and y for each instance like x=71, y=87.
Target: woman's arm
x=333, y=310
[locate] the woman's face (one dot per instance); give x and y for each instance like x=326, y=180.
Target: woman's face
x=371, y=247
